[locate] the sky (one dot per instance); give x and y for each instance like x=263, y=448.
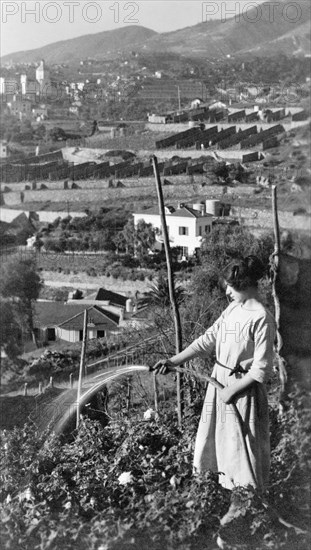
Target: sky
x=31, y=24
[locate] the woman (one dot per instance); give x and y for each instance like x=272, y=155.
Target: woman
x=243, y=338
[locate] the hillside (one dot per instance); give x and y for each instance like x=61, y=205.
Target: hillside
x=217, y=38
x=95, y=46
x=271, y=30
x=296, y=43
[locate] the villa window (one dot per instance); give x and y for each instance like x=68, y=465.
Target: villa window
x=183, y=230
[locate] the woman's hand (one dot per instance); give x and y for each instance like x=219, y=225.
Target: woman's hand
x=164, y=366
x=227, y=395
x=236, y=390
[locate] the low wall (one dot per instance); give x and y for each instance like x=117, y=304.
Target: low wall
x=251, y=217
x=9, y=214
x=83, y=281
x=186, y=187
x=99, y=185
x=55, y=185
x=193, y=153
x=175, y=128
x=263, y=219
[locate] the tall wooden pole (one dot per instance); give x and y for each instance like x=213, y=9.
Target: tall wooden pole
x=277, y=305
x=81, y=370
x=179, y=102
x=170, y=278
x=276, y=227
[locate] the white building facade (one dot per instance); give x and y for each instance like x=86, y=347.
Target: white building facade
x=42, y=76
x=4, y=150
x=186, y=226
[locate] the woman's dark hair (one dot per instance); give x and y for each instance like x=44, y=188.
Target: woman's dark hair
x=241, y=274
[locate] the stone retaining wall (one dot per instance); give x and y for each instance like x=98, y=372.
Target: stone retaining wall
x=235, y=155
x=98, y=196
x=263, y=219
x=174, y=128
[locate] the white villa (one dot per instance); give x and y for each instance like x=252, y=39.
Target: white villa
x=186, y=226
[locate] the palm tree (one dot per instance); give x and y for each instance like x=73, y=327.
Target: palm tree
x=158, y=294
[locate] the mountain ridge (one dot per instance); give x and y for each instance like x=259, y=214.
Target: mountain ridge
x=232, y=36
x=210, y=39
x=131, y=35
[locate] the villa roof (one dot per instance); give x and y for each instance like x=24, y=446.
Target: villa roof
x=182, y=212
x=104, y=295
x=54, y=314
x=96, y=316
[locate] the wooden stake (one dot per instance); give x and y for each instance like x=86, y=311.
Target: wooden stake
x=82, y=361
x=128, y=395
x=156, y=393
x=170, y=278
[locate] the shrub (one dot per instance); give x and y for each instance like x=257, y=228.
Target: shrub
x=72, y=494
x=130, y=261
x=116, y=272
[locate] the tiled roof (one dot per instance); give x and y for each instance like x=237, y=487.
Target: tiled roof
x=183, y=212
x=20, y=224
x=188, y=212
x=97, y=316
x=142, y=313
x=112, y=297
x=152, y=210
x=53, y=314
x=4, y=225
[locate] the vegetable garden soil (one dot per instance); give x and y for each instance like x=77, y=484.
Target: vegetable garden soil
x=130, y=485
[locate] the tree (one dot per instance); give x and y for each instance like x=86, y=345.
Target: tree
x=10, y=332
x=228, y=242
x=135, y=240
x=105, y=240
x=20, y=283
x=159, y=295
x=207, y=299
x=40, y=131
x=144, y=238
x=120, y=242
x=57, y=134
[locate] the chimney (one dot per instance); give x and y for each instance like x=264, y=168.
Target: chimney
x=202, y=208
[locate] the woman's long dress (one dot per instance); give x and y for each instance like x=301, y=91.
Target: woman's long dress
x=243, y=334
